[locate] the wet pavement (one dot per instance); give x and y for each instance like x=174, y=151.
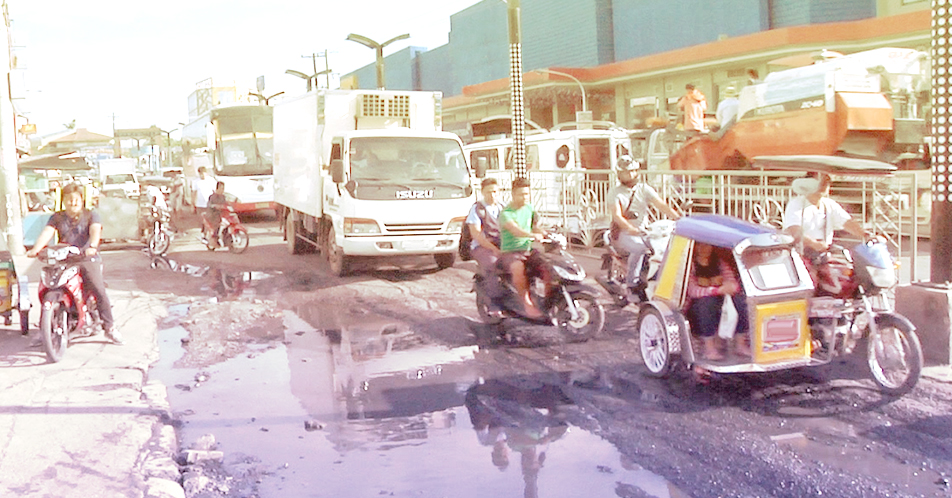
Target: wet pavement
x=368, y=410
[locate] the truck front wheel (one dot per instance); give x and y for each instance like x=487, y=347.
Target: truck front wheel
x=445, y=260
x=338, y=263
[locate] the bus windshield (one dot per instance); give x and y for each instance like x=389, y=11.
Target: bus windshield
x=408, y=160
x=245, y=141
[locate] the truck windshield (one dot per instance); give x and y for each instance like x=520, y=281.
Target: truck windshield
x=408, y=160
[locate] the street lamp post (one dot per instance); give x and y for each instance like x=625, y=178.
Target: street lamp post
x=585, y=115
x=261, y=97
x=168, y=147
x=307, y=77
x=367, y=42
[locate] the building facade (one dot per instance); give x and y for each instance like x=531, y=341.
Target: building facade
x=634, y=57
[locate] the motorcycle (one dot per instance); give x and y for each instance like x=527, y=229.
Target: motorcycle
x=615, y=264
x=850, y=299
x=567, y=303
x=231, y=234
x=67, y=309
x=160, y=236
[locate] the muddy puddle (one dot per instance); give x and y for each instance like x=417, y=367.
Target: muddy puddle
x=372, y=410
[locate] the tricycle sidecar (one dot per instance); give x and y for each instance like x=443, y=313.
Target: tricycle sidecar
x=789, y=326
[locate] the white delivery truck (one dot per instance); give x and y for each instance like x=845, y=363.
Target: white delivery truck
x=369, y=173
x=118, y=177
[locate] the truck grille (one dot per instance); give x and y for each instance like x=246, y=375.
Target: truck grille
x=396, y=106
x=406, y=228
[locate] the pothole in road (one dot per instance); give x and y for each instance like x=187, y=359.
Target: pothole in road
x=361, y=407
x=233, y=284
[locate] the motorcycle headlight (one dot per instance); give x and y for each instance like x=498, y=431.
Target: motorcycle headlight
x=360, y=226
x=572, y=274
x=882, y=277
x=456, y=225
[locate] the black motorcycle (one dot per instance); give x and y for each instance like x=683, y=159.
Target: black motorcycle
x=567, y=303
x=159, y=236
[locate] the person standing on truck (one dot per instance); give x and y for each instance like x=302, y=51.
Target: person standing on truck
x=727, y=108
x=630, y=201
x=79, y=227
x=483, y=225
x=692, y=106
x=519, y=226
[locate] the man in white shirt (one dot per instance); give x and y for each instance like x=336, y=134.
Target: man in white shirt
x=202, y=189
x=727, y=108
x=629, y=210
x=812, y=217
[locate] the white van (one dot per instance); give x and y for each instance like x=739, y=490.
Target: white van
x=571, y=169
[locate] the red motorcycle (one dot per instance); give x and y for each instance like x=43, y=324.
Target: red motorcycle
x=231, y=234
x=68, y=310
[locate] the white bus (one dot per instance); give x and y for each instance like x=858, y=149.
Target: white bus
x=239, y=146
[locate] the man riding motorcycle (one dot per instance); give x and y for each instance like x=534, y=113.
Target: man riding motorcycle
x=518, y=222
x=630, y=201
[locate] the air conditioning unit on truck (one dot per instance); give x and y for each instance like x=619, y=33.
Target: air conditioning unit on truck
x=867, y=105
x=369, y=173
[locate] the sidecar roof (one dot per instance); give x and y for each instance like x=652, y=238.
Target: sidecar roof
x=727, y=231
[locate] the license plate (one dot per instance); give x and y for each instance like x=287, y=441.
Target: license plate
x=418, y=245
x=262, y=205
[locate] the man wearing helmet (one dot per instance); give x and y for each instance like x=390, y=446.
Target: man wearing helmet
x=629, y=209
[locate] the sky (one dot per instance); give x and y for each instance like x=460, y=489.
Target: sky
x=134, y=63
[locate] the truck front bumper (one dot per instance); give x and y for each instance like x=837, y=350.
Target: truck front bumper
x=400, y=245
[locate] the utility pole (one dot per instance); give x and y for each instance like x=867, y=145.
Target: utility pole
x=516, y=99
x=10, y=217
x=327, y=67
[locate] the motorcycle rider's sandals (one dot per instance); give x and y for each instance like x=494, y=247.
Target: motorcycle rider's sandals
x=113, y=335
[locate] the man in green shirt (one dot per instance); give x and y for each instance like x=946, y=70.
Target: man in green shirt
x=518, y=230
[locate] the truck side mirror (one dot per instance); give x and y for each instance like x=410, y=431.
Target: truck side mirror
x=337, y=171
x=481, y=166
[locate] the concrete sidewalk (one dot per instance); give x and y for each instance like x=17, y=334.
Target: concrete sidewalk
x=93, y=424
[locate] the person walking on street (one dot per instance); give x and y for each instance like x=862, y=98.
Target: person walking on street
x=77, y=226
x=692, y=106
x=202, y=189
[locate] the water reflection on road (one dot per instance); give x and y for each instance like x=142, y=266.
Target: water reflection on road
x=397, y=416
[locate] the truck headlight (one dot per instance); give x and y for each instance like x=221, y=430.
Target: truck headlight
x=456, y=225
x=360, y=226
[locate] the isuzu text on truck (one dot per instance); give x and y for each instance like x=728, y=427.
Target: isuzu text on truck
x=369, y=173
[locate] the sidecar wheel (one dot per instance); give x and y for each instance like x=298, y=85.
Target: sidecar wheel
x=894, y=355
x=654, y=341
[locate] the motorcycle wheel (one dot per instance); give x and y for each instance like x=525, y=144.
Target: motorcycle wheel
x=159, y=242
x=482, y=307
x=591, y=318
x=894, y=356
x=236, y=240
x=54, y=326
x=654, y=342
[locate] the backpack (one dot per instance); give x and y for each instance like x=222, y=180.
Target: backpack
x=466, y=238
